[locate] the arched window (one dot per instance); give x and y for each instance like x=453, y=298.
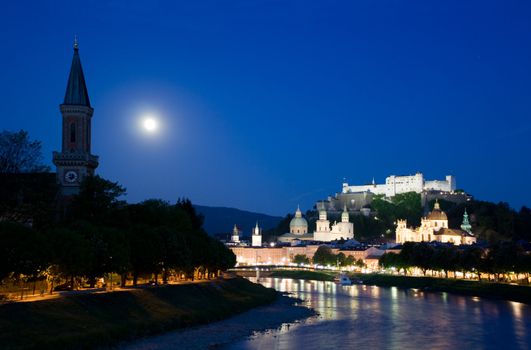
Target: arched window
x=72, y=132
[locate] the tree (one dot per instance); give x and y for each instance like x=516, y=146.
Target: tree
x=97, y=200
x=408, y=206
x=422, y=256
x=324, y=256
x=301, y=259
x=197, y=219
x=445, y=258
x=470, y=260
x=19, y=154
x=71, y=253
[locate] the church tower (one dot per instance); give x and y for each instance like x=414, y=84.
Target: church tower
x=235, y=235
x=344, y=215
x=256, y=237
x=465, y=226
x=75, y=162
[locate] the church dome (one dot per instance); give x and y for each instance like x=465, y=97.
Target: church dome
x=298, y=225
x=437, y=213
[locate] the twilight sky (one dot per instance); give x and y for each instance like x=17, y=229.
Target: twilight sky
x=268, y=104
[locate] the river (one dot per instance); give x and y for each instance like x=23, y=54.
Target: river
x=369, y=317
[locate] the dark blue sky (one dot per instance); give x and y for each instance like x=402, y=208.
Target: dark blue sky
x=268, y=104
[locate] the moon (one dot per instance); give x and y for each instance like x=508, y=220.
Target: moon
x=150, y=124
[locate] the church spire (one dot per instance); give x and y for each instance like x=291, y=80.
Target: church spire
x=76, y=89
x=465, y=226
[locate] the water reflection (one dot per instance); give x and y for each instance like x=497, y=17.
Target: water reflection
x=357, y=316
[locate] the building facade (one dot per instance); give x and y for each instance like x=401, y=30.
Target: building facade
x=338, y=230
x=250, y=256
x=434, y=227
x=75, y=161
x=401, y=184
x=324, y=231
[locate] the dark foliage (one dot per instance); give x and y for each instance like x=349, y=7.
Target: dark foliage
x=499, y=259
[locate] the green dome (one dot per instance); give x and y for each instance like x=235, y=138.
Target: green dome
x=298, y=222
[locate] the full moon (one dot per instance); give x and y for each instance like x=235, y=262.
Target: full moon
x=150, y=124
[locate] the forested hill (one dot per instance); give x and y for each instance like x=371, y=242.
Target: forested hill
x=222, y=219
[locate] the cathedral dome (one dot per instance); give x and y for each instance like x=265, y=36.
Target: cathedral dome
x=298, y=225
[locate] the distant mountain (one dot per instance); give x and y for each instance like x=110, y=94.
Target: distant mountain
x=221, y=220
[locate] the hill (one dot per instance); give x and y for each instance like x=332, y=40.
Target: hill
x=221, y=219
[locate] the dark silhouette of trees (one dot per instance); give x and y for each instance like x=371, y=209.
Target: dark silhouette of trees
x=20, y=154
x=101, y=234
x=301, y=259
x=324, y=256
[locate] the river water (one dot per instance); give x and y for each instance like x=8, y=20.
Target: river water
x=369, y=317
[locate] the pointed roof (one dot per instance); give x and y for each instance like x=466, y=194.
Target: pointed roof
x=298, y=213
x=76, y=89
x=465, y=226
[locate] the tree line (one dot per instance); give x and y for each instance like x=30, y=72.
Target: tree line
x=503, y=261
x=325, y=256
x=98, y=234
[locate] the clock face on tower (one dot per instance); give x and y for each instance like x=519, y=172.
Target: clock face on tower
x=71, y=176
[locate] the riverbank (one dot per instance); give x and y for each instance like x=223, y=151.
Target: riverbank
x=485, y=289
x=215, y=335
x=464, y=287
x=92, y=320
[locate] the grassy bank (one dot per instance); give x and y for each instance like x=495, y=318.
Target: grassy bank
x=472, y=288
x=89, y=320
x=304, y=275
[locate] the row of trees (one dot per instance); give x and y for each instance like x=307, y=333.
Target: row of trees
x=325, y=256
x=99, y=234
x=504, y=260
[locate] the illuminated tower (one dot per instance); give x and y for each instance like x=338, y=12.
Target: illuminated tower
x=75, y=162
x=256, y=238
x=465, y=226
x=235, y=235
x=344, y=215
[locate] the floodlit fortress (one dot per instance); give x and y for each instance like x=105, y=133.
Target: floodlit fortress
x=401, y=184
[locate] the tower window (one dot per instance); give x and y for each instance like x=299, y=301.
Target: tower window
x=73, y=132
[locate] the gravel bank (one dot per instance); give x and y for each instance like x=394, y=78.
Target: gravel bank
x=213, y=335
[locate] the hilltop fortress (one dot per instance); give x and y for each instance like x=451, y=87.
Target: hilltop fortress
x=401, y=184
x=358, y=198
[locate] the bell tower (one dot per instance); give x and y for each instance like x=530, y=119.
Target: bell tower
x=75, y=162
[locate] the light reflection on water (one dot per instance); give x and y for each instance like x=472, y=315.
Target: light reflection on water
x=392, y=318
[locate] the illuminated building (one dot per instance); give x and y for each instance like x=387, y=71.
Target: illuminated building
x=235, y=238
x=323, y=233
x=298, y=230
x=434, y=227
x=339, y=230
x=401, y=184
x=253, y=256
x=256, y=237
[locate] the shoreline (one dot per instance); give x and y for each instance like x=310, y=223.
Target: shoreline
x=490, y=290
x=107, y=319
x=284, y=309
